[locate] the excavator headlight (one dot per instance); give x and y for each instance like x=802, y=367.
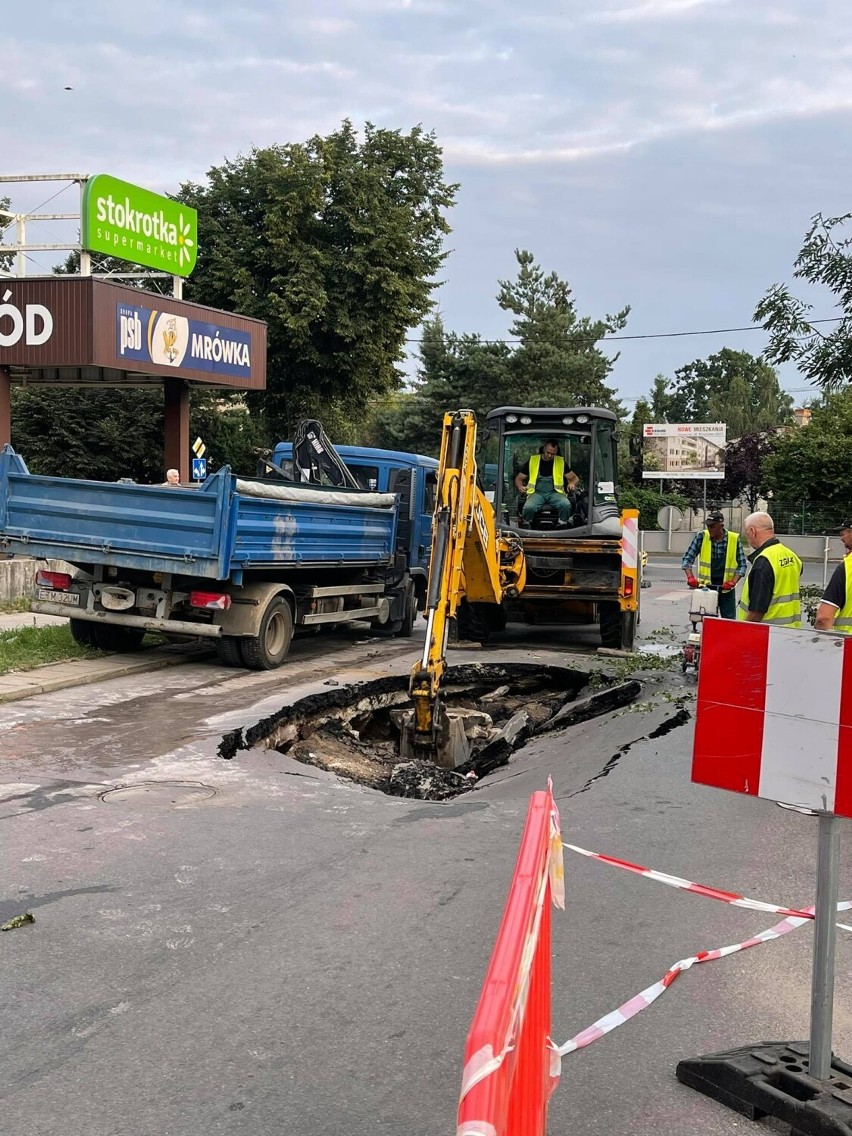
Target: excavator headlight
x=568, y=421
x=525, y=420
x=511, y=418
x=582, y=419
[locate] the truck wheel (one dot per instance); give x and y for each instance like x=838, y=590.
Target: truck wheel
x=111, y=637
x=405, y=626
x=267, y=650
x=82, y=632
x=228, y=650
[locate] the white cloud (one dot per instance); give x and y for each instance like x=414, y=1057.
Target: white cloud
x=652, y=10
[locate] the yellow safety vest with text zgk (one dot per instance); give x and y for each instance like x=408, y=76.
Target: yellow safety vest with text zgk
x=558, y=473
x=731, y=566
x=843, y=619
x=785, y=607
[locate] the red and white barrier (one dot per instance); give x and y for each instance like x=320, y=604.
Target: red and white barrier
x=774, y=714
x=510, y=1065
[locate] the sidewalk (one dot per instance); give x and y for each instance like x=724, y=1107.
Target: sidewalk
x=81, y=672
x=13, y=620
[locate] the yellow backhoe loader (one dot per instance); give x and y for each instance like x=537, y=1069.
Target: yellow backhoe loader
x=473, y=568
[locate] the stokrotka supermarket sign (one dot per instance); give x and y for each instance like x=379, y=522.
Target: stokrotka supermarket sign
x=139, y=226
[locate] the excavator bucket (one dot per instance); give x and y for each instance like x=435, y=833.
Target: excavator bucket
x=447, y=745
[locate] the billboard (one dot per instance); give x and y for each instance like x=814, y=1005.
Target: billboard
x=134, y=224
x=687, y=451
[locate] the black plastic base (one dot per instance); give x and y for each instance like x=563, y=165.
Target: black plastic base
x=771, y=1079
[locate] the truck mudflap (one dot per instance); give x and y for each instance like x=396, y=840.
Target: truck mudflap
x=141, y=622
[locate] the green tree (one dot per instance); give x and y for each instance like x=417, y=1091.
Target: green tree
x=730, y=386
x=649, y=501
x=812, y=463
x=336, y=243
x=823, y=356
x=558, y=361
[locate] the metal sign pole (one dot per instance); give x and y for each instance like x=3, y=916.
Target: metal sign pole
x=825, y=937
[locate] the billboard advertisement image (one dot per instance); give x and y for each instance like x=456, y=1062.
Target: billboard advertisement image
x=687, y=451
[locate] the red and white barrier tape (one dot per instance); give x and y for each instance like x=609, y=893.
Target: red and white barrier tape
x=697, y=889
x=642, y=1000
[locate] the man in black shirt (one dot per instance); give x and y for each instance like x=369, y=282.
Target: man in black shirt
x=544, y=481
x=835, y=609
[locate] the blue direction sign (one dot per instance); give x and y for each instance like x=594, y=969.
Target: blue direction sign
x=199, y=469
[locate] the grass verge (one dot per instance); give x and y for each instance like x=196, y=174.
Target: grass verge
x=24, y=648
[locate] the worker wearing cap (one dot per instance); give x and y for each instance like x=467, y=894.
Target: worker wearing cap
x=721, y=562
x=835, y=608
x=771, y=592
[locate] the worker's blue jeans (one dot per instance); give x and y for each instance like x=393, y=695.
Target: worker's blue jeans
x=546, y=495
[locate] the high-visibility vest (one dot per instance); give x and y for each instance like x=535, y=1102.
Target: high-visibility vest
x=843, y=619
x=785, y=607
x=731, y=566
x=558, y=473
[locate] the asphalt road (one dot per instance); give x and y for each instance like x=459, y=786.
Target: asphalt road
x=266, y=949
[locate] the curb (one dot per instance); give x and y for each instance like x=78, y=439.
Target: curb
x=46, y=685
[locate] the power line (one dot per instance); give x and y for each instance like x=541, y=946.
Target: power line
x=665, y=334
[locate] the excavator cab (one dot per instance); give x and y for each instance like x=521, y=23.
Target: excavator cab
x=585, y=439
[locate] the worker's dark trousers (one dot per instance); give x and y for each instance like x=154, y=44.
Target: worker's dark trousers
x=728, y=604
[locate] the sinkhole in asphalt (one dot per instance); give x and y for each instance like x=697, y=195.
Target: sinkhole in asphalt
x=354, y=731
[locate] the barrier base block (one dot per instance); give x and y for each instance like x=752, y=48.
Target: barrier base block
x=771, y=1078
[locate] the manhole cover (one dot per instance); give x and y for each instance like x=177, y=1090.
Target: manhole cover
x=162, y=793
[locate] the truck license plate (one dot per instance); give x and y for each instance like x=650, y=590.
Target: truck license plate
x=72, y=599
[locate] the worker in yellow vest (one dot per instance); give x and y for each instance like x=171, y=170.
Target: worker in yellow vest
x=544, y=479
x=771, y=591
x=721, y=562
x=835, y=608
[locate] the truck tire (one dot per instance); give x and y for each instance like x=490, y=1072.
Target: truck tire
x=268, y=649
x=228, y=650
x=405, y=626
x=112, y=637
x=82, y=632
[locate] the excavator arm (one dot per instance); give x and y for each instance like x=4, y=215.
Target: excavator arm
x=470, y=559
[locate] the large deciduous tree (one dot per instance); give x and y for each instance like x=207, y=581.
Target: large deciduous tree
x=336, y=243
x=812, y=463
x=729, y=386
x=823, y=355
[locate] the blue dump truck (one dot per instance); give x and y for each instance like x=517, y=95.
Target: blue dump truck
x=242, y=562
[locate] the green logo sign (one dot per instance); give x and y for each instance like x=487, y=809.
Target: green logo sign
x=134, y=224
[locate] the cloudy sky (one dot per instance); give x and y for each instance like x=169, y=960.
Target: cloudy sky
x=665, y=154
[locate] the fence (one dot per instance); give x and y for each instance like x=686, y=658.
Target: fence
x=510, y=1065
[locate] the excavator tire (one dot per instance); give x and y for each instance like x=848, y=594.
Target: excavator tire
x=618, y=628
x=477, y=621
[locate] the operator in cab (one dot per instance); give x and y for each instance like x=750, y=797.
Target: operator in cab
x=544, y=480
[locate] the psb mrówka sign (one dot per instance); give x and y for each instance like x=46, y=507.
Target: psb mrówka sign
x=169, y=340
x=134, y=224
